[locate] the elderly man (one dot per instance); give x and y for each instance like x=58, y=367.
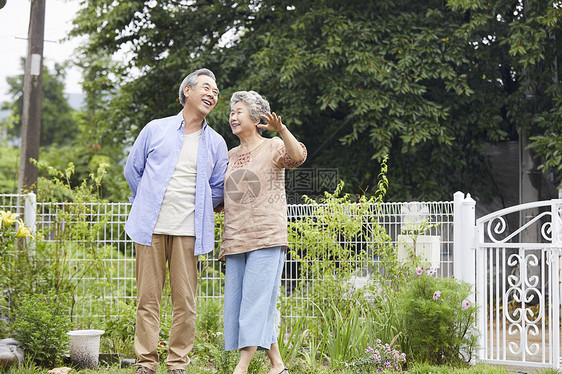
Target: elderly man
x=176, y=173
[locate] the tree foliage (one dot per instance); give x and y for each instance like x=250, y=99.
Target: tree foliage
x=428, y=83
x=517, y=45
x=58, y=125
x=67, y=135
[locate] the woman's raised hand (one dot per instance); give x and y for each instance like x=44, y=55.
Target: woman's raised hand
x=273, y=121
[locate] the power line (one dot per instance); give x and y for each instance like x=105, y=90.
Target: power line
x=49, y=41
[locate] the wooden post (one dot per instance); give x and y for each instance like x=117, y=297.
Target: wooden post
x=32, y=95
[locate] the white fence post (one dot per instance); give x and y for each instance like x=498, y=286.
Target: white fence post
x=464, y=219
x=555, y=266
x=468, y=240
x=30, y=211
x=30, y=217
x=458, y=197
x=464, y=257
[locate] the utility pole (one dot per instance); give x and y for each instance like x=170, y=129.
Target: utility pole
x=32, y=95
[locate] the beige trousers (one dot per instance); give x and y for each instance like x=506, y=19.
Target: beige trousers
x=177, y=252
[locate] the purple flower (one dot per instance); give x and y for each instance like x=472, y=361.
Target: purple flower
x=465, y=304
x=436, y=295
x=419, y=270
x=384, y=357
x=431, y=271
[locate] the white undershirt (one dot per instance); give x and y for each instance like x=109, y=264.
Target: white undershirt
x=177, y=213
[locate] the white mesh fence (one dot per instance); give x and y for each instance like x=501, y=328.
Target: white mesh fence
x=11, y=202
x=104, y=268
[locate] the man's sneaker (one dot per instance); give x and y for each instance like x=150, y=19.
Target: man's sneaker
x=143, y=370
x=176, y=371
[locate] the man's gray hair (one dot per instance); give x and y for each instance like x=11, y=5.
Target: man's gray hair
x=257, y=105
x=191, y=81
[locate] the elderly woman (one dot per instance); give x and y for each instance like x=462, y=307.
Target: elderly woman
x=255, y=228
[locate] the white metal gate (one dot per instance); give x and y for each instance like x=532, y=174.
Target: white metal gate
x=517, y=256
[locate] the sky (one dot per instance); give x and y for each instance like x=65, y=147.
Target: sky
x=14, y=24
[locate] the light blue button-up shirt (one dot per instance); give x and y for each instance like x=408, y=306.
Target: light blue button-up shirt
x=148, y=170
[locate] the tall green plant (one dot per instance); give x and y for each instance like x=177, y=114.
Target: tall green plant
x=41, y=325
x=16, y=265
x=331, y=263
x=293, y=344
x=325, y=245
x=344, y=334
x=437, y=318
x=381, y=315
x=70, y=243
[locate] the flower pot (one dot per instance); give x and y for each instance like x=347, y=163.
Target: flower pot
x=85, y=348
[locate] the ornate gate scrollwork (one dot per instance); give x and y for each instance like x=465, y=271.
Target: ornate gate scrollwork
x=523, y=289
x=497, y=226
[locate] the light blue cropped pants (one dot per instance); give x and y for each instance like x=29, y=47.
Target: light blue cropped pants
x=250, y=298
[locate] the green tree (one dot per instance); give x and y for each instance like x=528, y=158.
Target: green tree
x=428, y=83
x=165, y=40
x=516, y=50
x=58, y=124
x=67, y=135
x=8, y=168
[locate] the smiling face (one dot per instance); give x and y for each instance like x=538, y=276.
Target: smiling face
x=203, y=97
x=241, y=123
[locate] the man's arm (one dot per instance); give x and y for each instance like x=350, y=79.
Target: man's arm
x=216, y=181
x=136, y=161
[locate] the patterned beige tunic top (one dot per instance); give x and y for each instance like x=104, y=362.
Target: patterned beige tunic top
x=255, y=205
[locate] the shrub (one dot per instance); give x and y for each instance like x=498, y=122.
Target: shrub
x=41, y=325
x=209, y=320
x=120, y=330
x=438, y=320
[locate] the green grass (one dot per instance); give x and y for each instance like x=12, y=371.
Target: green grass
x=207, y=368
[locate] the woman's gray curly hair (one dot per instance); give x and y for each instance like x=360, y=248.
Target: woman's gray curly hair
x=191, y=81
x=257, y=105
